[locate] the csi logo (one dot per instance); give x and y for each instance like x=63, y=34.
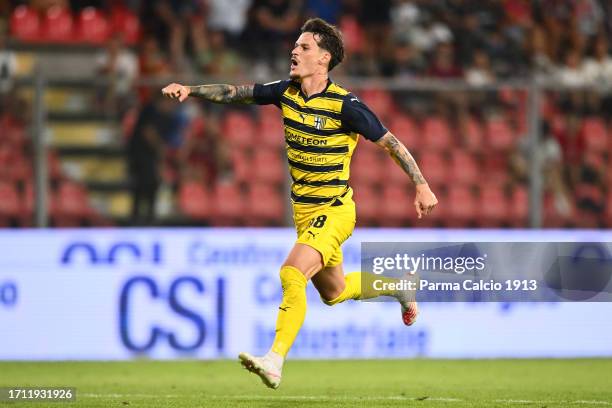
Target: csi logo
x=181, y=312
x=111, y=253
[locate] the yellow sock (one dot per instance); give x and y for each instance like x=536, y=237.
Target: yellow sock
x=292, y=309
x=360, y=285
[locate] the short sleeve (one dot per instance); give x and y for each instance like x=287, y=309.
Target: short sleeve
x=357, y=117
x=270, y=93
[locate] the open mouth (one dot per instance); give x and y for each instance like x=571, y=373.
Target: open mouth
x=294, y=62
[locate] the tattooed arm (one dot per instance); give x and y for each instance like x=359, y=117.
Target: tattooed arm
x=218, y=93
x=425, y=199
x=402, y=156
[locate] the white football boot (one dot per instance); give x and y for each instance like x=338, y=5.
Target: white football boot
x=264, y=367
x=407, y=300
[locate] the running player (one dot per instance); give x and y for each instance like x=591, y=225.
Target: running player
x=322, y=123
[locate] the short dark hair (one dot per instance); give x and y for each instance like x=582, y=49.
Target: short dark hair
x=330, y=39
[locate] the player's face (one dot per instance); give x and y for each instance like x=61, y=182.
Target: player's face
x=307, y=58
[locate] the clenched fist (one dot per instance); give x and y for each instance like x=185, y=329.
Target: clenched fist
x=176, y=91
x=425, y=200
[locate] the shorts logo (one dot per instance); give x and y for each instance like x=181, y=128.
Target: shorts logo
x=319, y=122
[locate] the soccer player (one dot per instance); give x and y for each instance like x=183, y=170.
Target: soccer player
x=322, y=123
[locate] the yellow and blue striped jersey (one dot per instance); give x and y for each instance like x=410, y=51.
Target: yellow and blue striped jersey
x=321, y=133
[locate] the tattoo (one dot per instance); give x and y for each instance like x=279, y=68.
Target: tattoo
x=402, y=156
x=221, y=93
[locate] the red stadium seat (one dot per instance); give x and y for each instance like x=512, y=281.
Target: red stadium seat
x=25, y=24
x=228, y=205
x=270, y=127
x=464, y=167
x=608, y=213
x=380, y=102
x=126, y=23
x=14, y=166
x=436, y=134
x=58, y=25
x=239, y=129
x=434, y=167
x=494, y=206
x=194, y=201
x=462, y=207
x=13, y=136
x=405, y=129
x=394, y=173
x=366, y=167
x=54, y=166
x=473, y=135
x=21, y=169
x=268, y=166
x=591, y=193
x=495, y=168
x=353, y=34
x=11, y=207
x=93, y=26
x=499, y=135
x=266, y=205
x=368, y=205
x=28, y=200
x=72, y=201
x=241, y=165
x=595, y=134
x=519, y=207
x=397, y=206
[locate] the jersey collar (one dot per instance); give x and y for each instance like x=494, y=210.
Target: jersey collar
x=307, y=98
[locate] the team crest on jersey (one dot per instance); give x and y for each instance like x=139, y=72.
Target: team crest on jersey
x=319, y=122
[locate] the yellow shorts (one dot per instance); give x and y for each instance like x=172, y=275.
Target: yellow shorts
x=326, y=227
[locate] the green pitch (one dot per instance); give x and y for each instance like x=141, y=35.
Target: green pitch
x=329, y=384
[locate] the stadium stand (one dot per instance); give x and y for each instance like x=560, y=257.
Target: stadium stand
x=464, y=142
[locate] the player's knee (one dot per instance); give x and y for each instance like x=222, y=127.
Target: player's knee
x=292, y=276
x=331, y=296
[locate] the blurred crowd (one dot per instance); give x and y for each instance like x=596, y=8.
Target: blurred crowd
x=477, y=40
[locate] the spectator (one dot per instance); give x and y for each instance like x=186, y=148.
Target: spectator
x=480, y=73
x=588, y=16
x=551, y=159
x=152, y=63
x=444, y=65
x=570, y=74
x=8, y=64
x=120, y=66
x=274, y=23
x=144, y=152
x=541, y=55
x=213, y=57
x=328, y=10
x=407, y=62
x=171, y=21
x=229, y=17
x=597, y=70
x=204, y=156
x=572, y=141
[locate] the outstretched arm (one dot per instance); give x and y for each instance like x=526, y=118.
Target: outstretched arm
x=218, y=93
x=425, y=199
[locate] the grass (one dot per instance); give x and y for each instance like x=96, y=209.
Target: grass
x=329, y=384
